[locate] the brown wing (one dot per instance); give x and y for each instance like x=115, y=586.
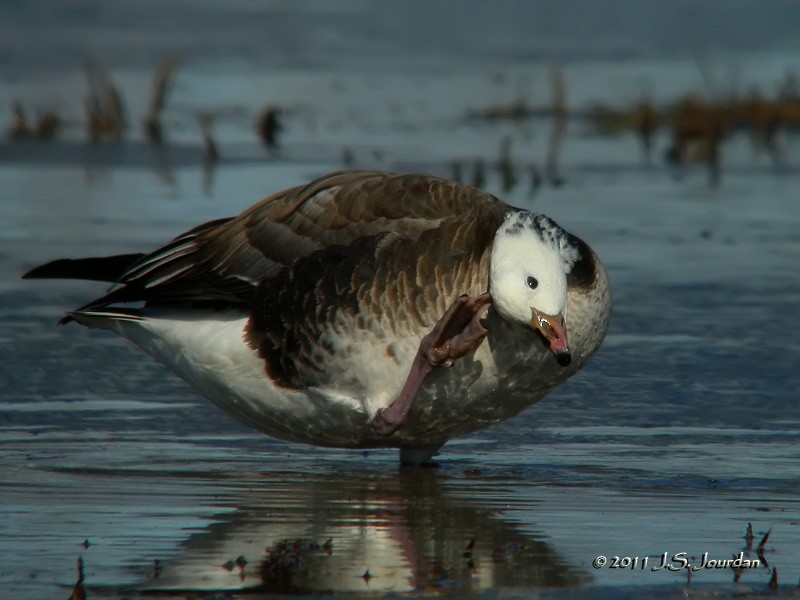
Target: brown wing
x=230, y=259
x=389, y=285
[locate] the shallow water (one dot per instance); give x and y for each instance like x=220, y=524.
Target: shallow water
x=683, y=429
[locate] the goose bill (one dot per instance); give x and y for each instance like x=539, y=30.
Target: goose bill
x=554, y=331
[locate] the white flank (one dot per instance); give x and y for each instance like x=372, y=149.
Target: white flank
x=208, y=350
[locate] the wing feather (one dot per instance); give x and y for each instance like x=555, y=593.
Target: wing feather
x=228, y=259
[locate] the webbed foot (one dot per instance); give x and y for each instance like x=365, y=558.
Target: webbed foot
x=457, y=332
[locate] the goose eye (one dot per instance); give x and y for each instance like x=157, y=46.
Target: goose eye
x=532, y=283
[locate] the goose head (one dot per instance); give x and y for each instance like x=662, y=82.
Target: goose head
x=531, y=256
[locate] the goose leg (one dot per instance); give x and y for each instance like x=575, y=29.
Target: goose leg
x=458, y=332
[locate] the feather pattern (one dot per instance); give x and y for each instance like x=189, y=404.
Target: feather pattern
x=310, y=305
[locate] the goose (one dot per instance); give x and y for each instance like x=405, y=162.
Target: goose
x=362, y=310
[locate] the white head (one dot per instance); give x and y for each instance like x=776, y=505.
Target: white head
x=531, y=257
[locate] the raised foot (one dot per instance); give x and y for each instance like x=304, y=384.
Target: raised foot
x=457, y=332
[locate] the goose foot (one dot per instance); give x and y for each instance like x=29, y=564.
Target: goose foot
x=457, y=332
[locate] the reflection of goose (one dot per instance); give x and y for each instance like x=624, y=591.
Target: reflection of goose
x=324, y=313
x=405, y=528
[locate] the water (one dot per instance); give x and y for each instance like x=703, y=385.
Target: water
x=682, y=430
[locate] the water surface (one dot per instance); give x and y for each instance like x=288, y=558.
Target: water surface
x=682, y=430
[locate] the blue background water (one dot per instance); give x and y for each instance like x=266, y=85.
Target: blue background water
x=684, y=427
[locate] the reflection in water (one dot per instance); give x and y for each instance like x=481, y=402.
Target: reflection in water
x=362, y=532
x=162, y=166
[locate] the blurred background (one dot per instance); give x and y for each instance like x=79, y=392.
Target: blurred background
x=662, y=133
x=506, y=95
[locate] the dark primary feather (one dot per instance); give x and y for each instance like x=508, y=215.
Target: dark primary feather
x=106, y=268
